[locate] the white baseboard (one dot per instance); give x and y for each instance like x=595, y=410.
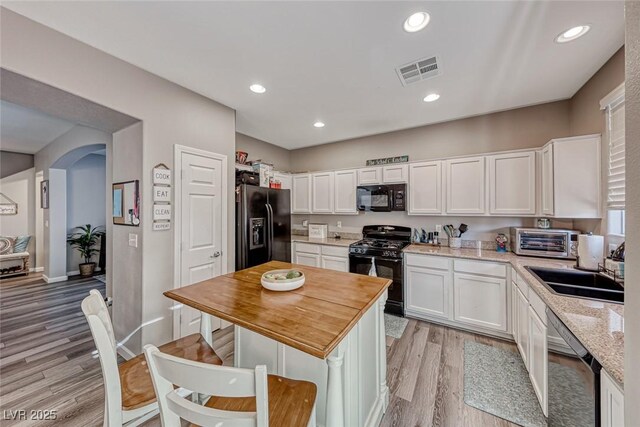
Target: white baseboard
x=54, y=279
x=77, y=272
x=36, y=270
x=125, y=352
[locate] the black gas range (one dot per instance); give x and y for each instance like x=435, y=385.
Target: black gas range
x=379, y=253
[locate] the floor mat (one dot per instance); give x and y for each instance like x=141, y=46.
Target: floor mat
x=394, y=326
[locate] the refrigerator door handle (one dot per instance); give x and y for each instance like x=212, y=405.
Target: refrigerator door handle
x=270, y=230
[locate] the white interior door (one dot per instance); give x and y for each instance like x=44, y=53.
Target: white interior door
x=201, y=229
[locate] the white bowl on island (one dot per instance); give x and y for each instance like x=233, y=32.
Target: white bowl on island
x=282, y=280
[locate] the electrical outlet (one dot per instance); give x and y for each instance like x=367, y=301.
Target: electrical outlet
x=133, y=240
x=439, y=228
x=339, y=224
x=305, y=223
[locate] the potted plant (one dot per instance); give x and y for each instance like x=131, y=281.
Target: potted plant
x=85, y=240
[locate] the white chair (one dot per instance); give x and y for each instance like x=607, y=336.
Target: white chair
x=129, y=395
x=239, y=397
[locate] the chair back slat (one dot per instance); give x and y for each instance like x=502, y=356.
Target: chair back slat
x=97, y=314
x=207, y=379
x=167, y=371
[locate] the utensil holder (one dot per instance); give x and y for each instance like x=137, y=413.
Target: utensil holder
x=455, y=242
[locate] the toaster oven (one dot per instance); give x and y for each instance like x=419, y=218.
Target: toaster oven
x=548, y=243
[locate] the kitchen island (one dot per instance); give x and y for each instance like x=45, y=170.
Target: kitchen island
x=330, y=331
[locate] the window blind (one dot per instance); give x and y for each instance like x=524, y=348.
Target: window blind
x=616, y=178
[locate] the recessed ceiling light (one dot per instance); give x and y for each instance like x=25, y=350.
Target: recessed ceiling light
x=319, y=124
x=572, y=33
x=431, y=97
x=257, y=88
x=416, y=22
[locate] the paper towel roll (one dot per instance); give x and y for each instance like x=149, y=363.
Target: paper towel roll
x=590, y=251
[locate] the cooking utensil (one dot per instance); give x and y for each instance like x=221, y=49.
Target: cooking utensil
x=463, y=228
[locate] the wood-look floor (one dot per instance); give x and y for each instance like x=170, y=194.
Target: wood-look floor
x=47, y=362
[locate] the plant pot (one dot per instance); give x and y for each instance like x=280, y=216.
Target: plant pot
x=87, y=269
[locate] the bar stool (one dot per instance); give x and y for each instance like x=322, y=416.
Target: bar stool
x=129, y=394
x=240, y=397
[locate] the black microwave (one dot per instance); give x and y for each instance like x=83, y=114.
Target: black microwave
x=381, y=198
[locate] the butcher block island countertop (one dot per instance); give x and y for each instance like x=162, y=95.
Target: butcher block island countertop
x=313, y=318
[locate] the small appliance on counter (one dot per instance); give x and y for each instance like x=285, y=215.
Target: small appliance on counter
x=318, y=231
x=549, y=243
x=590, y=252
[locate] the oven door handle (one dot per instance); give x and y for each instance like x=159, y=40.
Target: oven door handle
x=377, y=258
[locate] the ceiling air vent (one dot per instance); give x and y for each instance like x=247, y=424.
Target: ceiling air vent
x=416, y=71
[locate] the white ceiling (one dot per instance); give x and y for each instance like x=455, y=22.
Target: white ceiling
x=334, y=61
x=23, y=130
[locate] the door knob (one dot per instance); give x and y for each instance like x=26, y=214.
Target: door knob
x=216, y=254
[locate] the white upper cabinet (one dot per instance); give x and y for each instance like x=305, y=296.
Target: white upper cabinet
x=512, y=183
x=322, y=192
x=465, y=184
x=370, y=176
x=546, y=190
x=395, y=174
x=425, y=190
x=346, y=182
x=301, y=194
x=571, y=177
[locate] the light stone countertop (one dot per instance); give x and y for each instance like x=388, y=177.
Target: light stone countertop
x=328, y=241
x=598, y=325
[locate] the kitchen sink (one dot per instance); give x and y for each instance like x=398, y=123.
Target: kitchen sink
x=579, y=284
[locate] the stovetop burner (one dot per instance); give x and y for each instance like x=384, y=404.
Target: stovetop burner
x=381, y=244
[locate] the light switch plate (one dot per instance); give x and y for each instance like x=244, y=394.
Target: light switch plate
x=133, y=240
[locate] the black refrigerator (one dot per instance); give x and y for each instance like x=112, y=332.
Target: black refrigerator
x=263, y=225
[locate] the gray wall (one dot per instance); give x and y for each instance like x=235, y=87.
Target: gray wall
x=86, y=183
x=11, y=162
x=632, y=289
x=258, y=149
x=126, y=274
x=585, y=115
x=53, y=160
x=520, y=128
x=170, y=114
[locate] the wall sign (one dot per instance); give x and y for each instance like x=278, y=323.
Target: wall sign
x=161, y=212
x=161, y=194
x=158, y=226
x=388, y=160
x=8, y=206
x=161, y=197
x=161, y=175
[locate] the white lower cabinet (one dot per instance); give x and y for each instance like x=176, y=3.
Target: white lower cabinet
x=480, y=301
x=538, y=357
x=312, y=260
x=611, y=402
x=335, y=263
x=323, y=256
x=522, y=310
x=428, y=291
x=442, y=290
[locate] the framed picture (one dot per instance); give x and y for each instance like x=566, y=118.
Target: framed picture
x=126, y=203
x=44, y=194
